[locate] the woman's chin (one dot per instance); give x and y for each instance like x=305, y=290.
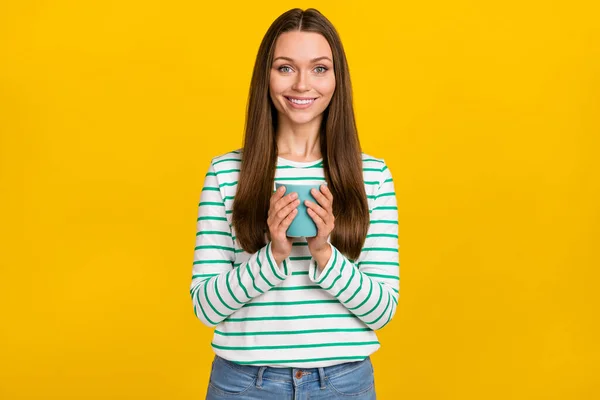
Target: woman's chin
x=302, y=119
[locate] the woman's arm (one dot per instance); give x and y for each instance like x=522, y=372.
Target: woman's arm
x=218, y=289
x=369, y=287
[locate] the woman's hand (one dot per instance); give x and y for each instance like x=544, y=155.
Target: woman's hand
x=282, y=211
x=322, y=215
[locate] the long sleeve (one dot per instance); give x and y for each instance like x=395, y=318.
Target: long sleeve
x=369, y=287
x=218, y=289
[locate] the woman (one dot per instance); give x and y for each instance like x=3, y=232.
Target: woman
x=295, y=317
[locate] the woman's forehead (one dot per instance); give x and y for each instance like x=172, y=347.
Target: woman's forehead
x=302, y=46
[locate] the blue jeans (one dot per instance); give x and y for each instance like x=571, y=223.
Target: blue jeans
x=351, y=380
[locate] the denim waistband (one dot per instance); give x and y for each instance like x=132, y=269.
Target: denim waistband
x=290, y=374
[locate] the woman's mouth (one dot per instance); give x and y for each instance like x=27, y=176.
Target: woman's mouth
x=300, y=104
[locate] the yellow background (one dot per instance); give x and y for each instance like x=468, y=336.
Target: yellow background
x=486, y=113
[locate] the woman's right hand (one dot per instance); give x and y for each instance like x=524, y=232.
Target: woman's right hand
x=282, y=211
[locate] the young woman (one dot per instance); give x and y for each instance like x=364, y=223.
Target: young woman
x=296, y=317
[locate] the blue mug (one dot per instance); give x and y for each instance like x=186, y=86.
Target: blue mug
x=302, y=225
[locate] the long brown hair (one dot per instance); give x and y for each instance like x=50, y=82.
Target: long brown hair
x=338, y=137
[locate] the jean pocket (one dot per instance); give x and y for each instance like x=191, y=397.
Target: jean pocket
x=226, y=379
x=356, y=381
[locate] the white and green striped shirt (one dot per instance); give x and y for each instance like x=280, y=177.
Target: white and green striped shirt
x=292, y=315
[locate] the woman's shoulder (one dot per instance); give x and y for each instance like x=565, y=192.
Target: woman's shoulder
x=231, y=158
x=375, y=169
x=370, y=161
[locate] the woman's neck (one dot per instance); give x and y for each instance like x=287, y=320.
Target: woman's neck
x=299, y=142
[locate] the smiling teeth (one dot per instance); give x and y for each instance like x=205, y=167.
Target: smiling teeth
x=301, y=101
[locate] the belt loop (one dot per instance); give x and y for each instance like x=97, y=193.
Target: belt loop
x=260, y=374
x=322, y=377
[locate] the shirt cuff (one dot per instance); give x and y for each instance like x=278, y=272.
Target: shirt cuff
x=313, y=270
x=275, y=272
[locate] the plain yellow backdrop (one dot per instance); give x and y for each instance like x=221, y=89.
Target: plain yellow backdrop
x=486, y=113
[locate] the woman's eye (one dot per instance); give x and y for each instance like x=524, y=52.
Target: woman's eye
x=283, y=66
x=324, y=69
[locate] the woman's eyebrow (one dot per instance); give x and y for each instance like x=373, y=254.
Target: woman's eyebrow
x=312, y=61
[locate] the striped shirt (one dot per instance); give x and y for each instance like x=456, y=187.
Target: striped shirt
x=292, y=315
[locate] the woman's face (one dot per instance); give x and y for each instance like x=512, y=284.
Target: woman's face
x=302, y=69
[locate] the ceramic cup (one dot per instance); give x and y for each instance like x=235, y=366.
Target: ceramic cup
x=302, y=225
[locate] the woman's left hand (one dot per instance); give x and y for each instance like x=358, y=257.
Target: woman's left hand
x=322, y=215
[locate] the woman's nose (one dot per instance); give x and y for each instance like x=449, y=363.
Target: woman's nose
x=301, y=83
